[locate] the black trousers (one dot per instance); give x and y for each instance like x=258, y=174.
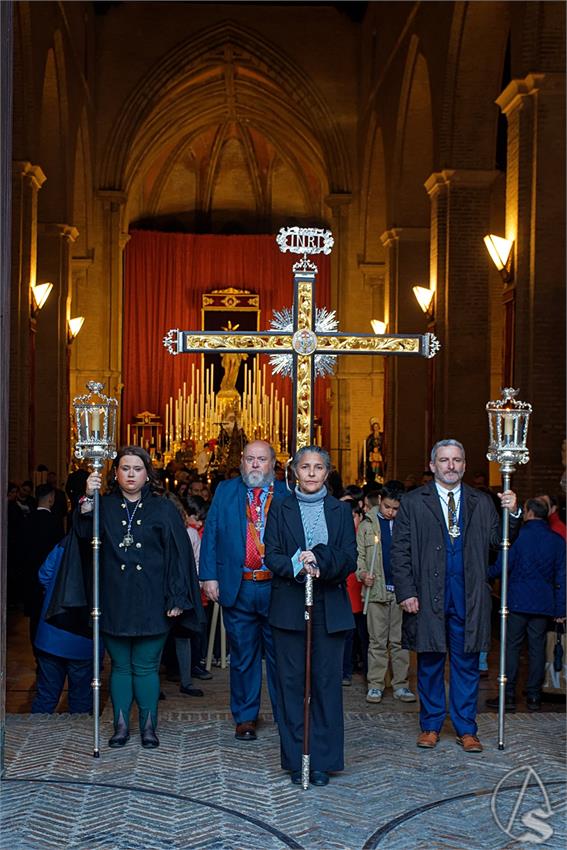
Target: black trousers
x=327, y=724
x=534, y=626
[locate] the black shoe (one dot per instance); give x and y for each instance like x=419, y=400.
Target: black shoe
x=121, y=734
x=533, y=703
x=318, y=777
x=149, y=738
x=509, y=703
x=296, y=777
x=119, y=739
x=190, y=691
x=201, y=673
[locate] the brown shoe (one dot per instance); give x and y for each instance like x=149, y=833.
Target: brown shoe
x=428, y=740
x=470, y=743
x=246, y=731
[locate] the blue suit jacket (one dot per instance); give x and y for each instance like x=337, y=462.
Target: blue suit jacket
x=223, y=547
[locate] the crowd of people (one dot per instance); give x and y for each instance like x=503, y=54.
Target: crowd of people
x=397, y=567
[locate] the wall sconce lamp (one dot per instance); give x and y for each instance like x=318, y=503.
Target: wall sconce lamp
x=378, y=327
x=73, y=327
x=500, y=251
x=424, y=298
x=40, y=293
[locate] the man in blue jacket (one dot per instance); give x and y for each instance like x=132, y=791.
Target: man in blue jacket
x=233, y=573
x=536, y=591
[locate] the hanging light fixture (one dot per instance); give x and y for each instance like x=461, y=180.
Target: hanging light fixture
x=424, y=298
x=74, y=326
x=41, y=293
x=378, y=326
x=500, y=251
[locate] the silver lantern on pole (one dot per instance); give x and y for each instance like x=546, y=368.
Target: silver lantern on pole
x=508, y=421
x=95, y=417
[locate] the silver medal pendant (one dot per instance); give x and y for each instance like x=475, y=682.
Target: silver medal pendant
x=454, y=531
x=127, y=540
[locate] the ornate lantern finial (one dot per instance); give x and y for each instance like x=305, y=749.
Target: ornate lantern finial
x=508, y=428
x=95, y=415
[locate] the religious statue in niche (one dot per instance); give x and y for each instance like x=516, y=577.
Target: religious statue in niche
x=374, y=470
x=231, y=365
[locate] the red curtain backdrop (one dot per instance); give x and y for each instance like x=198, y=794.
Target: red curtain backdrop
x=165, y=276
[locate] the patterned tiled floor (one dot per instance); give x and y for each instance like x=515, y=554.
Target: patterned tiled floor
x=203, y=789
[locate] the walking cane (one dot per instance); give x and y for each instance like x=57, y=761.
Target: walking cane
x=305, y=758
x=371, y=572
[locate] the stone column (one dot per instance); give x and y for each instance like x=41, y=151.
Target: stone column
x=80, y=370
x=6, y=32
x=52, y=412
x=407, y=256
x=107, y=296
x=27, y=180
x=535, y=219
x=339, y=440
x=460, y=273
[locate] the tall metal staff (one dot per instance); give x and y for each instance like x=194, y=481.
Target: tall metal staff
x=95, y=417
x=508, y=427
x=306, y=758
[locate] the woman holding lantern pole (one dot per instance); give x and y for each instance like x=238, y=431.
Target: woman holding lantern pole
x=147, y=580
x=310, y=533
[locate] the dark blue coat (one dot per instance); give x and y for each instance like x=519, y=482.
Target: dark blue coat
x=335, y=559
x=223, y=546
x=48, y=638
x=536, y=571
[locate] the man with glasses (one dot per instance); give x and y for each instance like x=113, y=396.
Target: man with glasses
x=233, y=573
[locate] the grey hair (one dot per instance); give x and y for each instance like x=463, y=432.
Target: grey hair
x=323, y=454
x=441, y=443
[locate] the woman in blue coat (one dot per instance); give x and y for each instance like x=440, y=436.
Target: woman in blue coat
x=310, y=533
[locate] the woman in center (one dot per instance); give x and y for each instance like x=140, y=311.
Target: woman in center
x=310, y=533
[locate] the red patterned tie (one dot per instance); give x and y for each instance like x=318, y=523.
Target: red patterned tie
x=253, y=556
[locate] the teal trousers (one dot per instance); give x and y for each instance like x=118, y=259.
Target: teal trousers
x=134, y=675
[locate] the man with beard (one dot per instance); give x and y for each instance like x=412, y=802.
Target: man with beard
x=233, y=573
x=439, y=558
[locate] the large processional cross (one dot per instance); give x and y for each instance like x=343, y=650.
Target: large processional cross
x=304, y=341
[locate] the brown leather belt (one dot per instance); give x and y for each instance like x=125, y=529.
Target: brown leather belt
x=256, y=575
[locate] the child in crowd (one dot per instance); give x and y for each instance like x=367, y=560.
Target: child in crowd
x=356, y=640
x=384, y=615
